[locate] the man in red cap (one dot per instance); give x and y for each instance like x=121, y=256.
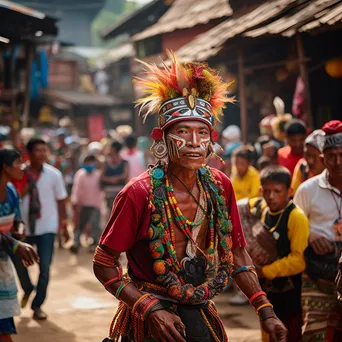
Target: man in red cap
x=320, y=198
x=178, y=223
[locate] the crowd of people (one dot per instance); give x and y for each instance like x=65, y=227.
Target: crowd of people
x=179, y=223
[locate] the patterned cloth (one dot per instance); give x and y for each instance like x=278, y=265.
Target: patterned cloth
x=8, y=290
x=322, y=312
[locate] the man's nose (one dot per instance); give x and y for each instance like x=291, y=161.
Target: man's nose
x=194, y=141
x=339, y=159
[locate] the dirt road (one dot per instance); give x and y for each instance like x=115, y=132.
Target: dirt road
x=80, y=309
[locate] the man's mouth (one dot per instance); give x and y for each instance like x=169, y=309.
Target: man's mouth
x=193, y=155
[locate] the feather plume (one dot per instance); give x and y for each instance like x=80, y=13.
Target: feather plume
x=167, y=82
x=279, y=105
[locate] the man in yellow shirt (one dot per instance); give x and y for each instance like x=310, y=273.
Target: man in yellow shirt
x=245, y=178
x=284, y=235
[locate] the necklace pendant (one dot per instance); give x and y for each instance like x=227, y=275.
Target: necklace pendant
x=194, y=270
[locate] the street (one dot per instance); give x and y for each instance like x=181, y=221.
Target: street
x=81, y=310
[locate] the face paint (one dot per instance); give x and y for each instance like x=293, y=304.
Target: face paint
x=204, y=144
x=175, y=144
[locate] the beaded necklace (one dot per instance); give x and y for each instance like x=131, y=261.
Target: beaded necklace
x=167, y=268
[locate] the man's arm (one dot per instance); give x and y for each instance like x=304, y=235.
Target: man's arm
x=249, y=284
x=119, y=236
x=319, y=243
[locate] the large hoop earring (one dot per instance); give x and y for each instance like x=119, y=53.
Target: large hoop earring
x=159, y=149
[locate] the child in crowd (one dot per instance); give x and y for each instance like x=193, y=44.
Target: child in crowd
x=283, y=234
x=245, y=178
x=86, y=198
x=290, y=154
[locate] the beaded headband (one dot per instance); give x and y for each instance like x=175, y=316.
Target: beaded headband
x=189, y=91
x=333, y=141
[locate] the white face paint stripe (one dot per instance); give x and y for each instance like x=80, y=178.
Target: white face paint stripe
x=180, y=142
x=204, y=143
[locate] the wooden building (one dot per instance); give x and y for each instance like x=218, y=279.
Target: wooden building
x=22, y=31
x=266, y=46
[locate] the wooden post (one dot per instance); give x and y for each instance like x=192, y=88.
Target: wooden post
x=305, y=77
x=27, y=94
x=242, y=95
x=12, y=87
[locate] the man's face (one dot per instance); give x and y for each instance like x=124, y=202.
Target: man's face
x=296, y=143
x=39, y=154
x=276, y=195
x=313, y=158
x=241, y=165
x=333, y=161
x=188, y=143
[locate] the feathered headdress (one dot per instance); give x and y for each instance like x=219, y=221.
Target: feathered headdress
x=189, y=91
x=278, y=123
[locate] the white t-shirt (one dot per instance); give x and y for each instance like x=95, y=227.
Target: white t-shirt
x=51, y=188
x=315, y=198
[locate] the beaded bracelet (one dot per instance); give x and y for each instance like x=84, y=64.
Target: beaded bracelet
x=243, y=269
x=15, y=246
x=144, y=305
x=256, y=295
x=263, y=306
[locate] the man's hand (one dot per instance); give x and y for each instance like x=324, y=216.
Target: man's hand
x=27, y=254
x=338, y=280
x=164, y=326
x=275, y=329
x=320, y=244
x=265, y=239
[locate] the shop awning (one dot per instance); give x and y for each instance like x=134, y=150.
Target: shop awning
x=21, y=23
x=75, y=97
x=185, y=14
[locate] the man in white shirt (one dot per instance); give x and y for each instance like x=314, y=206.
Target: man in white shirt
x=320, y=199
x=44, y=214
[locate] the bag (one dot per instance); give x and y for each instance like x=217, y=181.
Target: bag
x=321, y=266
x=196, y=328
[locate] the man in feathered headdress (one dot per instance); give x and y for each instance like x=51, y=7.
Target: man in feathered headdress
x=178, y=222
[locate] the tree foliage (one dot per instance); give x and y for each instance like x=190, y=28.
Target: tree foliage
x=112, y=11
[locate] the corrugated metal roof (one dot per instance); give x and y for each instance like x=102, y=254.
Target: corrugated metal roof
x=208, y=44
x=314, y=14
x=185, y=14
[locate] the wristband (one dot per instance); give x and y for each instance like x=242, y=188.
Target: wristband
x=243, y=269
x=143, y=306
x=110, y=282
x=120, y=288
x=266, y=314
x=15, y=246
x=256, y=295
x=263, y=306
